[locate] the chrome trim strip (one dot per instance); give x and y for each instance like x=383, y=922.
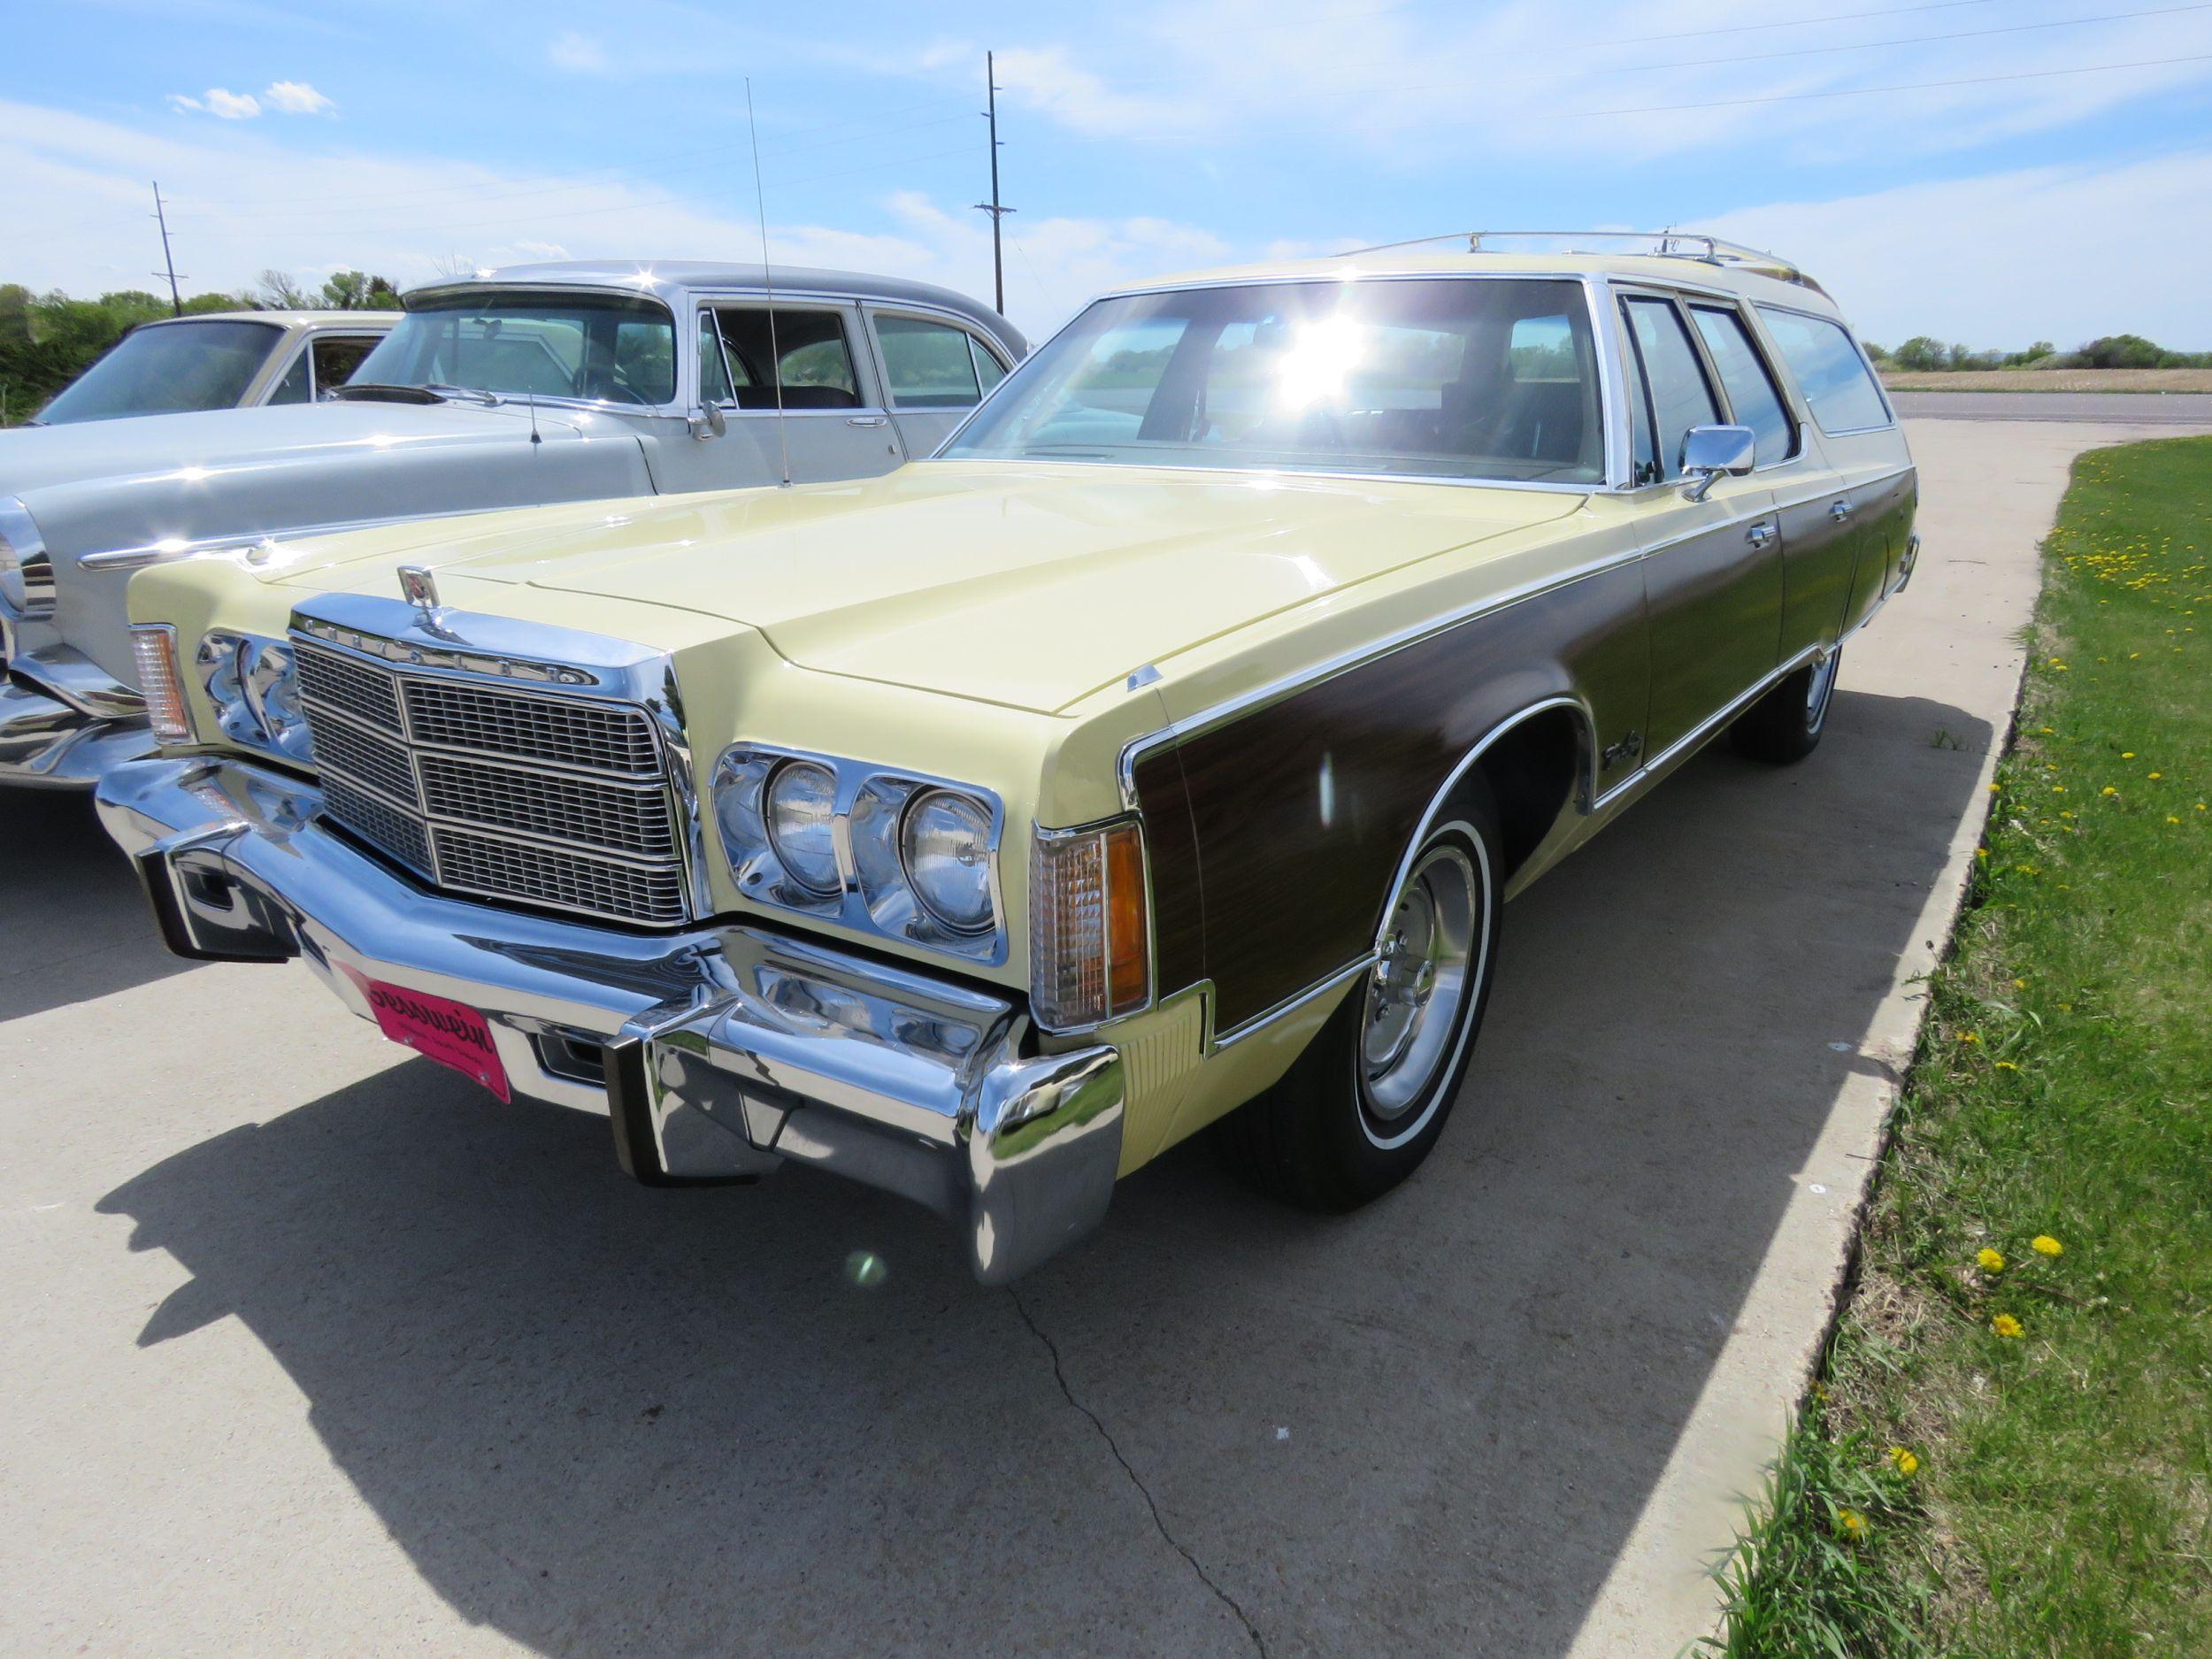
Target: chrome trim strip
x=68, y=676
x=1705, y=729
x=1290, y=1004
x=1276, y=690
x=266, y=542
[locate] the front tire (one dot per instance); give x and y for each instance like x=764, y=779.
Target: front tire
x=1362, y=1108
x=1785, y=724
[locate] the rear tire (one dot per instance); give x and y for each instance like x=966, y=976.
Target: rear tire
x=1362, y=1108
x=1785, y=724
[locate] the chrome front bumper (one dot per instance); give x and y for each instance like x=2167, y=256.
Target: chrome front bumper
x=45, y=743
x=718, y=1054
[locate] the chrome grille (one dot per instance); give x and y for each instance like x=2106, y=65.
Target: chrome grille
x=556, y=729
x=543, y=800
x=630, y=818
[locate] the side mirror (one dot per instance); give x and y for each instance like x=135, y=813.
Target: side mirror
x=1709, y=452
x=709, y=421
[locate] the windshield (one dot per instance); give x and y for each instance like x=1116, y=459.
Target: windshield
x=604, y=347
x=165, y=367
x=1445, y=377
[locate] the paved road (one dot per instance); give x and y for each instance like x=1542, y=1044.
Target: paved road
x=312, y=1349
x=2135, y=409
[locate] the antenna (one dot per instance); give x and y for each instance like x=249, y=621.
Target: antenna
x=768, y=280
x=176, y=305
x=993, y=207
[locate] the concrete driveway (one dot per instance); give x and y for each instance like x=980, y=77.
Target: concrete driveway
x=312, y=1349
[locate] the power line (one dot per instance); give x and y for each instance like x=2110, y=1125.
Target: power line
x=1910, y=86
x=1795, y=23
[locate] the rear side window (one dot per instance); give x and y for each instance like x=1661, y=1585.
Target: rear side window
x=1743, y=373
x=293, y=388
x=1839, y=388
x=929, y=365
x=1679, y=396
x=337, y=356
x=988, y=370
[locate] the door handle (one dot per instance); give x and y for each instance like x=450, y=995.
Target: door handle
x=1760, y=534
x=864, y=420
x=1839, y=510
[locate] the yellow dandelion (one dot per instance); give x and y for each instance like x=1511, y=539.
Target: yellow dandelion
x=1851, y=1524
x=1907, y=1463
x=1991, y=1261
x=2019, y=985
x=2171, y=818
x=2006, y=1065
x=2127, y=754
x=2107, y=789
x=2043, y=1244
x=2155, y=776
x=2005, y=1325
x=1968, y=1036
x=1983, y=852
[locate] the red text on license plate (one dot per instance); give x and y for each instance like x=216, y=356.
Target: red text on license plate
x=438, y=1028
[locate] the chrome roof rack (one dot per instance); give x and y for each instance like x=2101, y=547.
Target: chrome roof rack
x=1664, y=244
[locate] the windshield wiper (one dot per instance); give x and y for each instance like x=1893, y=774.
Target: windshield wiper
x=474, y=394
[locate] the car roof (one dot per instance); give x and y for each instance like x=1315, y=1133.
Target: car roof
x=660, y=275
x=1768, y=279
x=281, y=320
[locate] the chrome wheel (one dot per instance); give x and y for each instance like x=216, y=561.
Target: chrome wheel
x=1819, y=687
x=1411, y=1020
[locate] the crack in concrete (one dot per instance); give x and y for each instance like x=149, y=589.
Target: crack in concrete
x=1159, y=1523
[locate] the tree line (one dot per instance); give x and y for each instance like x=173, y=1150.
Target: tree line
x=47, y=340
x=1924, y=353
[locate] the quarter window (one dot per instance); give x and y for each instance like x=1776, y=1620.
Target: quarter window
x=1743, y=373
x=1681, y=397
x=988, y=370
x=813, y=359
x=1839, y=388
x=293, y=388
x=929, y=365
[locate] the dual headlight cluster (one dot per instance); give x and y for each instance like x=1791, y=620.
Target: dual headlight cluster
x=896, y=853
x=254, y=683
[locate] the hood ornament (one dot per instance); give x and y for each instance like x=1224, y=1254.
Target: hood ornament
x=420, y=589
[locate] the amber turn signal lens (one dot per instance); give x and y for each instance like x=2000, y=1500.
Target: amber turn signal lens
x=1090, y=953
x=1128, y=973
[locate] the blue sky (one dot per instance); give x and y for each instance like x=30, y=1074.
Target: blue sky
x=1993, y=171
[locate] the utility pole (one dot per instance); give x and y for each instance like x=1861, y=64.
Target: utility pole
x=995, y=207
x=176, y=305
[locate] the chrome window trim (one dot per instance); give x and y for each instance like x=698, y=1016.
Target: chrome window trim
x=848, y=906
x=1590, y=283
x=1802, y=439
x=1881, y=392
x=869, y=310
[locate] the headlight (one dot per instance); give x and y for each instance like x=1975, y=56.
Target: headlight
x=900, y=855
x=26, y=571
x=801, y=816
x=254, y=684
x=945, y=849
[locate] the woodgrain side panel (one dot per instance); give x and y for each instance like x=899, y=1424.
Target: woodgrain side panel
x=1300, y=811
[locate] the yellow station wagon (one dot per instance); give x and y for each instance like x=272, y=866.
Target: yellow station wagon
x=1160, y=752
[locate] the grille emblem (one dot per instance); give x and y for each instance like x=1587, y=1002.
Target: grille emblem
x=420, y=588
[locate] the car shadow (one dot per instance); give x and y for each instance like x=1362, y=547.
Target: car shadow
x=604, y=1419
x=74, y=923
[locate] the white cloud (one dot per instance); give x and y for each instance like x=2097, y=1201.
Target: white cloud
x=229, y=106
x=241, y=204
x=296, y=97
x=577, y=53
x=2007, y=259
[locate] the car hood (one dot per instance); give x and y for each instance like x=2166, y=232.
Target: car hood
x=1026, y=584
x=214, y=439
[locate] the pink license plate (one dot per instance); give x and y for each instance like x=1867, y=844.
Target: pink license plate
x=437, y=1028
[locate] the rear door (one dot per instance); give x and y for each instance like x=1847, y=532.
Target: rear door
x=934, y=371
x=1712, y=568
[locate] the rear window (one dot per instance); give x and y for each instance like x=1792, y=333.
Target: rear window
x=1839, y=388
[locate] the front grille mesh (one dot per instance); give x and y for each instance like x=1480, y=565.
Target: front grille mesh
x=544, y=800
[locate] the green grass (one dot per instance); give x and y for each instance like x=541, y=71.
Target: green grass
x=2061, y=1506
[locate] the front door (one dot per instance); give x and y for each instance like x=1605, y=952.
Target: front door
x=1712, y=568
x=831, y=423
